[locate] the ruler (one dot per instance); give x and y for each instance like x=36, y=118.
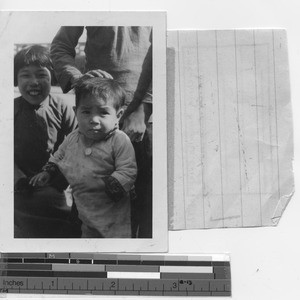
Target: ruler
x=115, y=274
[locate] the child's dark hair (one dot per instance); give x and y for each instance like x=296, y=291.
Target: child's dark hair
x=101, y=88
x=32, y=55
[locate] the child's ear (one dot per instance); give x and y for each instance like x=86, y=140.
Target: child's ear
x=120, y=113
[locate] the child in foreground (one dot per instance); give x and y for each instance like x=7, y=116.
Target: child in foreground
x=98, y=161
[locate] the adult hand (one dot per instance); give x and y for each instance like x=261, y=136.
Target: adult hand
x=90, y=74
x=40, y=179
x=97, y=73
x=134, y=125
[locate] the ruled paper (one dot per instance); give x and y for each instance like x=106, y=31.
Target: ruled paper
x=230, y=135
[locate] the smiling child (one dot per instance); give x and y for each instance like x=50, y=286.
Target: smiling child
x=41, y=122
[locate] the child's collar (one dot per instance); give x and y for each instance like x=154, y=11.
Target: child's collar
x=37, y=106
x=111, y=133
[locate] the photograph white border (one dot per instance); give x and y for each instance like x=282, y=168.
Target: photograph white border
x=23, y=27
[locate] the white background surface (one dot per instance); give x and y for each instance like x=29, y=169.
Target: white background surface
x=265, y=261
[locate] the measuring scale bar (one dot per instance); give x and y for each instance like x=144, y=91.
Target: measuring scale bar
x=116, y=275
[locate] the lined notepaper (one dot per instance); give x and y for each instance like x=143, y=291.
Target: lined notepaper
x=230, y=134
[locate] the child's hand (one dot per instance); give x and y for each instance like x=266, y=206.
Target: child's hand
x=40, y=179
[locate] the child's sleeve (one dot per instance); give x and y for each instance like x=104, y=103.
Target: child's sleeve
x=57, y=178
x=63, y=55
x=60, y=152
x=123, y=178
x=52, y=165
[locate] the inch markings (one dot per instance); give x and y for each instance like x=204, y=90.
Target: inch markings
x=71, y=273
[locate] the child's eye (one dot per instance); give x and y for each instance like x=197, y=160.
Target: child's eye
x=103, y=113
x=24, y=75
x=85, y=112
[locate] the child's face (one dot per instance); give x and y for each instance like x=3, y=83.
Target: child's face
x=96, y=117
x=34, y=83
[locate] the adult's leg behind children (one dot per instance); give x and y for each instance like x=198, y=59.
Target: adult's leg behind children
x=142, y=207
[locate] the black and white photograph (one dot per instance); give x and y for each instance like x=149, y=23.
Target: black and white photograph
x=88, y=89
x=149, y=148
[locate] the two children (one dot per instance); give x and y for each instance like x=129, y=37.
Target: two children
x=41, y=122
x=98, y=161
